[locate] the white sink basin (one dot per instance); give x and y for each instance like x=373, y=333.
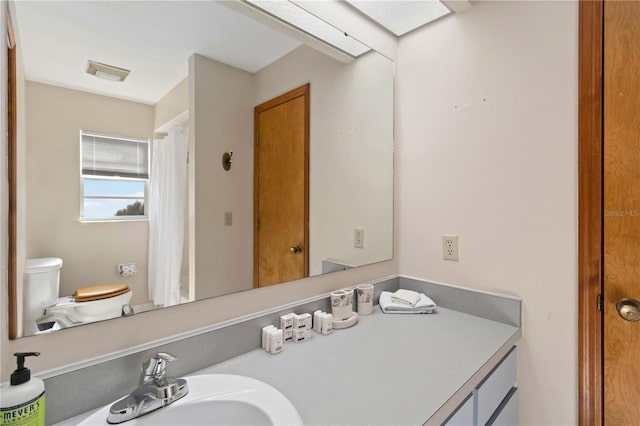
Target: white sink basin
x=218, y=399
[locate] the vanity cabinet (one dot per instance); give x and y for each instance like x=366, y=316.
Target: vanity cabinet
x=494, y=401
x=507, y=412
x=463, y=415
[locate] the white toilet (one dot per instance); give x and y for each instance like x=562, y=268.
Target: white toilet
x=43, y=306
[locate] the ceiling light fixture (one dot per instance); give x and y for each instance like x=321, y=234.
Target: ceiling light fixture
x=106, y=72
x=401, y=16
x=298, y=17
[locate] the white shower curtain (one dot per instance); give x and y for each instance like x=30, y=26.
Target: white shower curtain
x=167, y=197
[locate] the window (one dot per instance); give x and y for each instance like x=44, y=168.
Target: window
x=115, y=177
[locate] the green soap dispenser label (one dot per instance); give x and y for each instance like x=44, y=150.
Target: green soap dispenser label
x=28, y=414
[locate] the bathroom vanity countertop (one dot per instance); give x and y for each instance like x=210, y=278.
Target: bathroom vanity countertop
x=389, y=369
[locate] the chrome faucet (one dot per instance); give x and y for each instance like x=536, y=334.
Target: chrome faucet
x=155, y=391
x=155, y=369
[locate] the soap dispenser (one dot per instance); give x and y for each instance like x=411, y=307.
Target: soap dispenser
x=22, y=402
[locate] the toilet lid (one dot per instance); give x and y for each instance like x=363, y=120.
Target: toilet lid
x=98, y=292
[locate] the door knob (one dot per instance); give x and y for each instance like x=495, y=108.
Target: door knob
x=629, y=309
x=295, y=250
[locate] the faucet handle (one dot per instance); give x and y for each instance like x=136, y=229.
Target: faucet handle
x=155, y=368
x=166, y=357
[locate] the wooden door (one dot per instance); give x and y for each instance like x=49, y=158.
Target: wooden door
x=281, y=189
x=621, y=210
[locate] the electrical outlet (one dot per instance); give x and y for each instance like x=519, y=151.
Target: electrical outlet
x=228, y=218
x=358, y=238
x=450, y=247
x=127, y=269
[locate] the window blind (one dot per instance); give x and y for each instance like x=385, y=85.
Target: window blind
x=114, y=157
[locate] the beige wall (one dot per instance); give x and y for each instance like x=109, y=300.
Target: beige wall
x=351, y=150
x=221, y=119
x=351, y=161
x=487, y=140
x=90, y=251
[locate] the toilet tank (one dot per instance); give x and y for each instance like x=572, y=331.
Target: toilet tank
x=42, y=281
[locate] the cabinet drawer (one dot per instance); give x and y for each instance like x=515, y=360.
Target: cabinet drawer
x=493, y=390
x=507, y=413
x=463, y=415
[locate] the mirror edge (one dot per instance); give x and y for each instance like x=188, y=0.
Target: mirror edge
x=12, y=125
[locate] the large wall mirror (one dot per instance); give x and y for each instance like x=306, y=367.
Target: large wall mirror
x=170, y=151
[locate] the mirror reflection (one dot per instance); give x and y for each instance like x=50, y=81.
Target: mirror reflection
x=175, y=151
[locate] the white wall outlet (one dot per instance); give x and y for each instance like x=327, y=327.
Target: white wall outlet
x=358, y=238
x=450, y=247
x=127, y=269
x=228, y=218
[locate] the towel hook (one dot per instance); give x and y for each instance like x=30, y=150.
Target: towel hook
x=226, y=160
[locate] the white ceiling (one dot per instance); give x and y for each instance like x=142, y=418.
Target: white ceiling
x=153, y=39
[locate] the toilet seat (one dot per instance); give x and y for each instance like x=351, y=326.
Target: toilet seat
x=99, y=292
x=45, y=310
x=68, y=313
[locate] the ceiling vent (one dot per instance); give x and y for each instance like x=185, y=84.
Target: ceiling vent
x=106, y=72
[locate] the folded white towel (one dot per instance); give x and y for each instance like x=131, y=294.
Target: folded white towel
x=406, y=297
x=424, y=306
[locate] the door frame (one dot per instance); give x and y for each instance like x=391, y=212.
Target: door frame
x=590, y=212
x=302, y=91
